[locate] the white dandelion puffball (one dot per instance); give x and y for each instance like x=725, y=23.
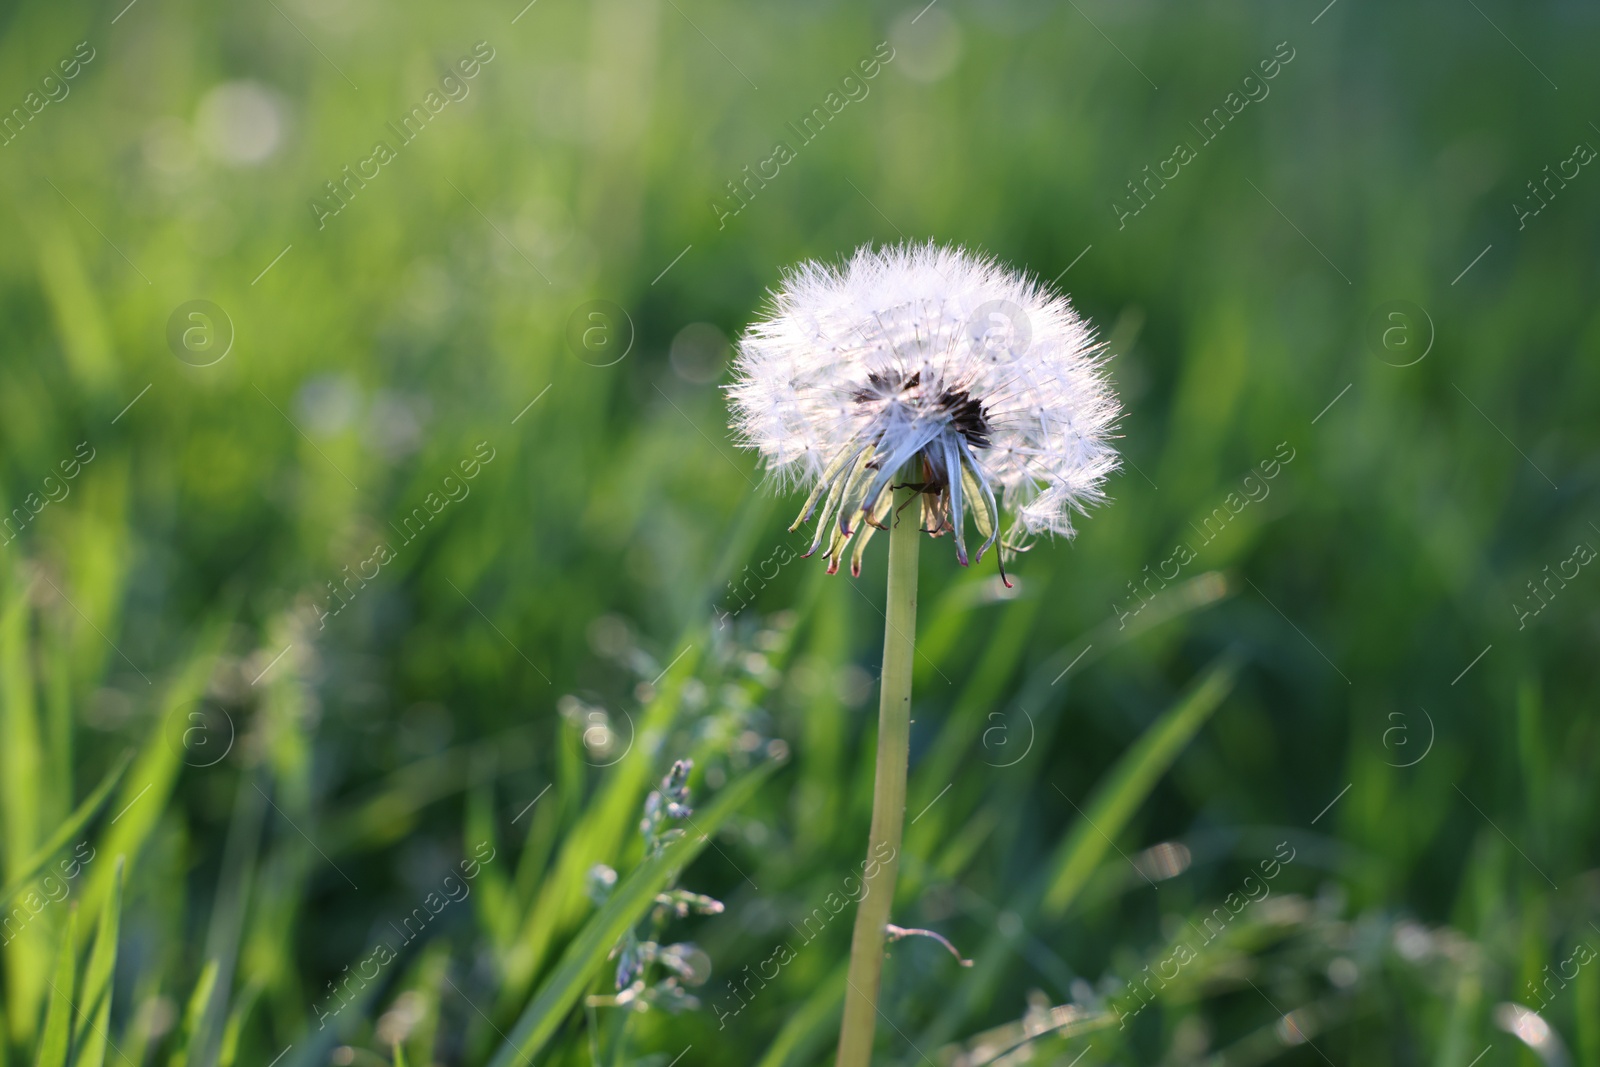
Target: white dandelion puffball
x=989, y=380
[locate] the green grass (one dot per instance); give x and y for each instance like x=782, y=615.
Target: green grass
x=252, y=796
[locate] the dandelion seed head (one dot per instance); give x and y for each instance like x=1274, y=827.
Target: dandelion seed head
x=919, y=352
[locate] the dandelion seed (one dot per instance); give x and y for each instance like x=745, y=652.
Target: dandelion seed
x=989, y=386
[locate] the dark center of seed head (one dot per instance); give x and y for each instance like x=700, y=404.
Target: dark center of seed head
x=966, y=412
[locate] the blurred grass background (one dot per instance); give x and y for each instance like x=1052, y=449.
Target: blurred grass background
x=285, y=787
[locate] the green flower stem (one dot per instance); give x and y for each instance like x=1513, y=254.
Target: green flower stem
x=888, y=793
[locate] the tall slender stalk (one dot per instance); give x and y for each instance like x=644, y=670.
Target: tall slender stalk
x=888, y=793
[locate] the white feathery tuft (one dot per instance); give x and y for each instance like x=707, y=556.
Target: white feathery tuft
x=920, y=351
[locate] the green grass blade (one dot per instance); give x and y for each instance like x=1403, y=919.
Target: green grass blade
x=66, y=832
x=586, y=954
x=1130, y=781
x=58, y=1016
x=811, y=1028
x=22, y=759
x=495, y=905
x=94, y=1012
x=141, y=1026
x=142, y=800
x=23, y=782
x=1586, y=1004
x=825, y=727
x=1459, y=1031
x=419, y=996
x=199, y=1002
x=1005, y=1042
x=229, y=1051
